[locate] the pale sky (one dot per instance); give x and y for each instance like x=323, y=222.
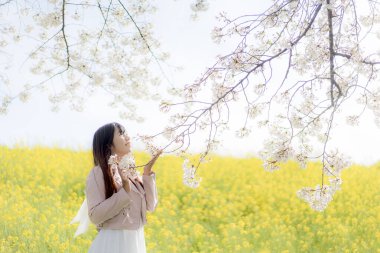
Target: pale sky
x=190, y=46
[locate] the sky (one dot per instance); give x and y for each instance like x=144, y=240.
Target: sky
x=190, y=46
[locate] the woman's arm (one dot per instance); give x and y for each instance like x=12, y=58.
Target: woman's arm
x=149, y=181
x=101, y=209
x=150, y=188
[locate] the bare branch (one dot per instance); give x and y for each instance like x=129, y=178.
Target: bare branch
x=64, y=34
x=363, y=61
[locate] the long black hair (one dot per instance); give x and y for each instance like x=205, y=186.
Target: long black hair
x=101, y=150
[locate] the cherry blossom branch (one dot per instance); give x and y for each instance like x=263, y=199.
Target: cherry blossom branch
x=363, y=61
x=321, y=68
x=5, y=3
x=68, y=57
x=64, y=34
x=145, y=41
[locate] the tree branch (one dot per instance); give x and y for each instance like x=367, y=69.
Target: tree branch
x=64, y=35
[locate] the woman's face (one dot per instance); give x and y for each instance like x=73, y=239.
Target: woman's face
x=121, y=143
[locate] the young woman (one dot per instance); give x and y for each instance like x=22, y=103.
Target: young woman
x=117, y=204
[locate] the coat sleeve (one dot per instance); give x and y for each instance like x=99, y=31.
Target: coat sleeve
x=101, y=209
x=150, y=188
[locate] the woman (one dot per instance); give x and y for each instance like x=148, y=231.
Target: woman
x=117, y=204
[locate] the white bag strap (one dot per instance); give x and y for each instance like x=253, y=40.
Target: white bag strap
x=83, y=219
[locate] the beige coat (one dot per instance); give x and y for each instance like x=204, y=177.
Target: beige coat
x=123, y=210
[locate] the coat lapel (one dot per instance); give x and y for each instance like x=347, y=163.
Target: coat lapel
x=139, y=190
x=136, y=187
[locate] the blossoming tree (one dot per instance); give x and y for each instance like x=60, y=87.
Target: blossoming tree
x=294, y=68
x=79, y=47
x=319, y=48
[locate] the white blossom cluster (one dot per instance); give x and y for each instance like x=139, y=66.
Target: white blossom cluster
x=164, y=106
x=149, y=146
x=82, y=47
x=189, y=175
x=243, y=132
x=335, y=162
x=277, y=148
x=319, y=197
x=198, y=6
x=126, y=164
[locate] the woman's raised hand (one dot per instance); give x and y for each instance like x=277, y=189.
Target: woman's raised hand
x=149, y=165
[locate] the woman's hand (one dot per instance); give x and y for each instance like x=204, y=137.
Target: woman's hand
x=124, y=179
x=123, y=174
x=149, y=165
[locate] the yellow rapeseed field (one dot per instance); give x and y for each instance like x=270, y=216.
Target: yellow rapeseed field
x=239, y=207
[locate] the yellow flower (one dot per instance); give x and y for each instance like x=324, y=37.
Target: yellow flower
x=248, y=210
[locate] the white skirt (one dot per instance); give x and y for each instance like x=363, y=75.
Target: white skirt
x=119, y=241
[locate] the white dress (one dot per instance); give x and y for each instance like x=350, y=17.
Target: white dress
x=119, y=241
x=110, y=240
